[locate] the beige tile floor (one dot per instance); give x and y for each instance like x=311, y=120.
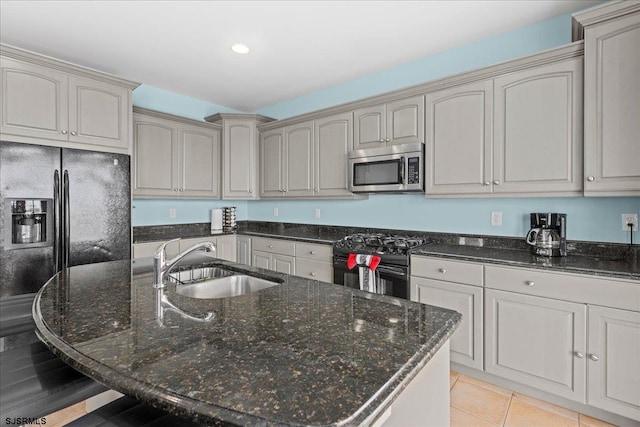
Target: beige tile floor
x=474, y=403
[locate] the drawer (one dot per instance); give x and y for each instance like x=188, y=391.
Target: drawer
x=449, y=271
x=142, y=250
x=609, y=292
x=314, y=251
x=274, y=246
x=316, y=270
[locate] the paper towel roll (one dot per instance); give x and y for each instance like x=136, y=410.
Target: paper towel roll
x=216, y=221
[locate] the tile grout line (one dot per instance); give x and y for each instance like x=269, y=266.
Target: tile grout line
x=506, y=414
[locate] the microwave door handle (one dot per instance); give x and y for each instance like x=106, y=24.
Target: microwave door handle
x=401, y=171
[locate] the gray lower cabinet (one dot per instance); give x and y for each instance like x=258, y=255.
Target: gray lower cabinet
x=612, y=106
x=613, y=360
x=44, y=104
x=536, y=341
x=333, y=140
x=243, y=250
x=314, y=261
x=276, y=262
x=397, y=122
x=225, y=247
x=457, y=286
x=174, y=158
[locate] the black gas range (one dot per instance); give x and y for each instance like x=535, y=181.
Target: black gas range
x=375, y=262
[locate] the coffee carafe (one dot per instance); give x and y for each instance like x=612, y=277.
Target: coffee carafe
x=547, y=235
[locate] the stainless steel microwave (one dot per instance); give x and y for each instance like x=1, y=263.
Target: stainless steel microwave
x=395, y=169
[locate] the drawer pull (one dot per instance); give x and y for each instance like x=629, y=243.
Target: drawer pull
x=442, y=270
x=312, y=274
x=529, y=283
x=312, y=252
x=579, y=355
x=593, y=357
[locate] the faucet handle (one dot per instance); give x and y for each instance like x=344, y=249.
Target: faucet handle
x=160, y=251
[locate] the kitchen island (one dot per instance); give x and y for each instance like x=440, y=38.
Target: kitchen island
x=302, y=352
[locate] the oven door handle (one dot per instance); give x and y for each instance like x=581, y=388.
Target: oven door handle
x=341, y=263
x=401, y=177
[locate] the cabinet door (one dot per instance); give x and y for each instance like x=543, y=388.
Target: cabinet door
x=261, y=259
x=536, y=341
x=538, y=129
x=314, y=270
x=156, y=161
x=614, y=361
x=199, y=162
x=243, y=250
x=467, y=340
x=239, y=157
x=458, y=139
x=142, y=250
x=98, y=113
x=298, y=160
x=226, y=248
x=271, y=164
x=283, y=263
x=369, y=128
x=34, y=101
x=405, y=121
x=333, y=138
x=612, y=107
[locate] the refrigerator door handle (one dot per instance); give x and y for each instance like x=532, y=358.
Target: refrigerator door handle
x=66, y=219
x=57, y=238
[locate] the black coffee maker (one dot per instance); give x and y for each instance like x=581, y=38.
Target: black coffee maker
x=548, y=234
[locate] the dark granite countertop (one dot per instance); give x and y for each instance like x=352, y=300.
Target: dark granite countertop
x=625, y=268
x=592, y=258
x=300, y=353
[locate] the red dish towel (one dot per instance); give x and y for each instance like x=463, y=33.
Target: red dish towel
x=370, y=261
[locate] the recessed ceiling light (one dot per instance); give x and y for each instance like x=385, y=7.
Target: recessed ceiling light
x=240, y=48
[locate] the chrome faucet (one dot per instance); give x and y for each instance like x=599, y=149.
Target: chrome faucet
x=162, y=265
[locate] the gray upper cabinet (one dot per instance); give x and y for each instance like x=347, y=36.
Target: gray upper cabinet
x=612, y=106
x=458, y=158
x=44, y=104
x=333, y=140
x=397, y=122
x=614, y=361
x=286, y=161
x=174, y=158
x=537, y=143
x=239, y=154
x=517, y=134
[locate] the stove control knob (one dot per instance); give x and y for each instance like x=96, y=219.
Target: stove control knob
x=442, y=270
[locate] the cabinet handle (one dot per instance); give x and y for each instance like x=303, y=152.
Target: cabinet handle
x=182, y=189
x=530, y=283
x=270, y=246
x=312, y=252
x=381, y=139
x=387, y=140
x=486, y=183
x=74, y=133
x=593, y=357
x=591, y=179
x=442, y=270
x=312, y=274
x=64, y=132
x=496, y=182
x=175, y=189
x=579, y=355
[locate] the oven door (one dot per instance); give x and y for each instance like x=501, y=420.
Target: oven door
x=392, y=280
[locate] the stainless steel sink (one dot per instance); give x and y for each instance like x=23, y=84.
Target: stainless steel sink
x=199, y=274
x=231, y=286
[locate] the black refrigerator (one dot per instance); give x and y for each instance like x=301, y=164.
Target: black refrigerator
x=60, y=207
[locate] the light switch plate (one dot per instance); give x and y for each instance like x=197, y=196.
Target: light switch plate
x=496, y=219
x=172, y=213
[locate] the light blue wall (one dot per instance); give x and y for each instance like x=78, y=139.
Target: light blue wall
x=521, y=42
x=156, y=212
x=157, y=99
x=591, y=219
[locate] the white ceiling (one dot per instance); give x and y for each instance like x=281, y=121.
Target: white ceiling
x=297, y=47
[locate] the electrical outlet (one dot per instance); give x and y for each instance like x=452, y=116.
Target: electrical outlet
x=275, y=211
x=172, y=213
x=629, y=219
x=317, y=213
x=496, y=219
